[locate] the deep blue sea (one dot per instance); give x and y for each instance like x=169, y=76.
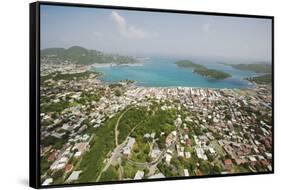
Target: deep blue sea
x=163, y=72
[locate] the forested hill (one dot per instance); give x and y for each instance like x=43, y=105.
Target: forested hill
x=85, y=56
x=255, y=67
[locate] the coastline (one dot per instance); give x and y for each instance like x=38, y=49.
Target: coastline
x=159, y=79
x=137, y=84
x=115, y=100
x=102, y=65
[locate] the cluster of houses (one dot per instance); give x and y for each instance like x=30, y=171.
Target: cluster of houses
x=222, y=113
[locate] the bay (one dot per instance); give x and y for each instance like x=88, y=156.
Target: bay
x=163, y=72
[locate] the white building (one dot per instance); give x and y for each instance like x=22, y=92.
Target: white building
x=74, y=176
x=185, y=172
x=168, y=158
x=129, y=146
x=156, y=176
x=155, y=153
x=200, y=154
x=48, y=181
x=139, y=175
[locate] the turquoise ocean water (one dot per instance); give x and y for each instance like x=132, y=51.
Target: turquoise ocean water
x=162, y=72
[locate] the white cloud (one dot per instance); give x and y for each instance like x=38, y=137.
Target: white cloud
x=124, y=29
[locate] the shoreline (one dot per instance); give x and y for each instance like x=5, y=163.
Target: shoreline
x=250, y=85
x=134, y=83
x=103, y=65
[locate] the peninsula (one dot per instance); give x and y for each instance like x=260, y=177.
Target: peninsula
x=262, y=79
x=83, y=56
x=257, y=67
x=263, y=68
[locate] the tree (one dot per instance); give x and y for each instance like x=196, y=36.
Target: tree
x=217, y=169
x=204, y=167
x=110, y=174
x=57, y=174
x=117, y=92
x=190, y=164
x=146, y=171
x=146, y=149
x=210, y=156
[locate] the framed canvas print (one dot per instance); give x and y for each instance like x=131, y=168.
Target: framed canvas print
x=121, y=94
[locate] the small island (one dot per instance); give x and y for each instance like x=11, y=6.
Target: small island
x=202, y=70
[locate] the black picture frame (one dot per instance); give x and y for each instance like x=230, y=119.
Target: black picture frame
x=34, y=90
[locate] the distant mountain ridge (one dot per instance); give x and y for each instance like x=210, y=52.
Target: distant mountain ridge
x=85, y=56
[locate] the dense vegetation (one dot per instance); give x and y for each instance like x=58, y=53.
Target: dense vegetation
x=129, y=170
x=130, y=120
x=259, y=67
x=212, y=73
x=84, y=56
x=111, y=174
x=136, y=121
x=156, y=120
x=103, y=142
x=202, y=70
x=190, y=64
x=140, y=152
x=263, y=79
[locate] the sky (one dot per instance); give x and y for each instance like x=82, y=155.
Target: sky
x=154, y=33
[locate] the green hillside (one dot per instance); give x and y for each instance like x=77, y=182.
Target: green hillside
x=84, y=56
